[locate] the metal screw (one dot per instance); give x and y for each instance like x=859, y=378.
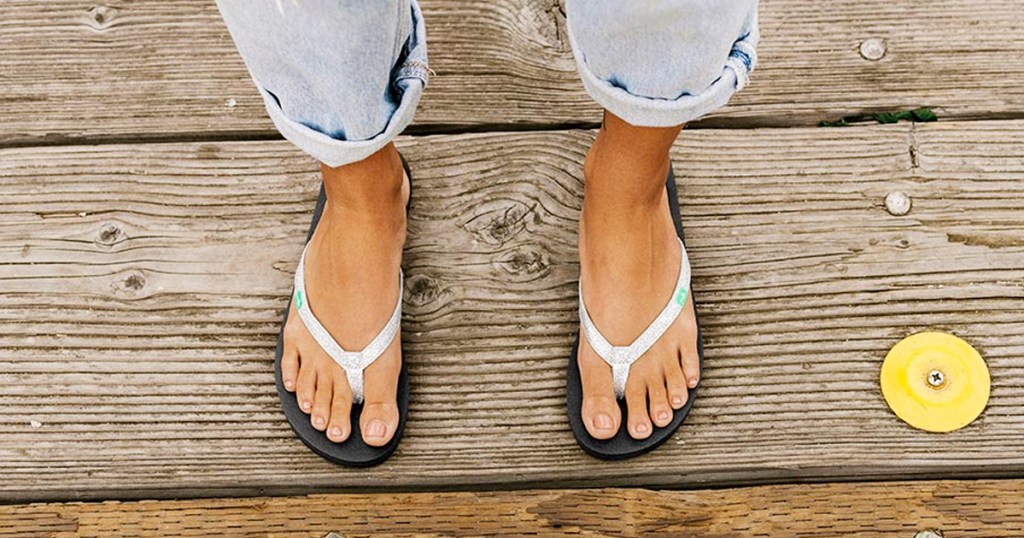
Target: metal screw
x=936, y=378
x=872, y=49
x=897, y=203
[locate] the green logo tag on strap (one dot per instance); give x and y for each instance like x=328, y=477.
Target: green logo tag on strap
x=681, y=297
x=298, y=299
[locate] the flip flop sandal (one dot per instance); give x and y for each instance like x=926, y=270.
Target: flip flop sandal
x=620, y=358
x=353, y=451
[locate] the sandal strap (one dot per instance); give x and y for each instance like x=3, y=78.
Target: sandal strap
x=353, y=362
x=620, y=358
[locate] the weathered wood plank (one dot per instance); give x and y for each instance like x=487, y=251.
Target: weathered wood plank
x=978, y=509
x=143, y=285
x=167, y=69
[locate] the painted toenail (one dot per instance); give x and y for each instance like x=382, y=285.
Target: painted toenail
x=335, y=432
x=676, y=400
x=318, y=422
x=376, y=429
x=641, y=428
x=602, y=421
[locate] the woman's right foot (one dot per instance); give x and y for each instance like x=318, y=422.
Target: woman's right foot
x=351, y=279
x=629, y=264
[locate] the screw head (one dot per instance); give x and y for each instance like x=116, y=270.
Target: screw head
x=897, y=203
x=936, y=378
x=872, y=49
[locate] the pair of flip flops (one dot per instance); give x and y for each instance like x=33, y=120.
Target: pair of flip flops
x=355, y=452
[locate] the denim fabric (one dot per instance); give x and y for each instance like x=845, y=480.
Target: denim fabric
x=341, y=78
x=659, y=63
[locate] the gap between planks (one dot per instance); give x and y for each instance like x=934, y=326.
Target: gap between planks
x=979, y=509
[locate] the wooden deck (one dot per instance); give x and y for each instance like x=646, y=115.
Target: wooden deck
x=150, y=221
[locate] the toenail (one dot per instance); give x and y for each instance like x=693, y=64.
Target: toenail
x=289, y=384
x=664, y=415
x=692, y=383
x=376, y=429
x=676, y=400
x=602, y=421
x=305, y=406
x=318, y=422
x=642, y=427
x=335, y=432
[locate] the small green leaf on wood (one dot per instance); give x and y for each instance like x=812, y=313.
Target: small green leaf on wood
x=920, y=114
x=841, y=122
x=924, y=114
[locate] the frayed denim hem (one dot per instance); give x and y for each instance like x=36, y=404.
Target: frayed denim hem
x=656, y=112
x=408, y=80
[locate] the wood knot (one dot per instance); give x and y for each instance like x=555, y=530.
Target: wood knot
x=525, y=262
x=109, y=235
x=499, y=225
x=207, y=151
x=100, y=17
x=422, y=289
x=129, y=283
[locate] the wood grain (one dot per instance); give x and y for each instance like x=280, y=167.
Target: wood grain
x=143, y=285
x=978, y=509
x=166, y=69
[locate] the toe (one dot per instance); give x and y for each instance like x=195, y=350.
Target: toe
x=691, y=367
x=657, y=396
x=636, y=403
x=601, y=415
x=600, y=412
x=305, y=385
x=379, y=419
x=378, y=422
x=289, y=366
x=322, y=401
x=690, y=358
x=339, y=427
x=675, y=383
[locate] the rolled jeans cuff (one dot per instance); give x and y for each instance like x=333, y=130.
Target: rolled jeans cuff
x=657, y=112
x=409, y=78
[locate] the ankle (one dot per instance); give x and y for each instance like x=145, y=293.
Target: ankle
x=619, y=192
x=373, y=188
x=615, y=177
x=627, y=165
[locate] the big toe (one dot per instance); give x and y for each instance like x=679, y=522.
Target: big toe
x=378, y=422
x=601, y=416
x=379, y=418
x=600, y=413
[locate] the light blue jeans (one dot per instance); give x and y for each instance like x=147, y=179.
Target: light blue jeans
x=341, y=78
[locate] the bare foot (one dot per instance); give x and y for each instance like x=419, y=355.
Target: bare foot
x=629, y=263
x=351, y=278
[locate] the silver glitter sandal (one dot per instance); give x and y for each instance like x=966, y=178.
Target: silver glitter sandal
x=621, y=358
x=353, y=451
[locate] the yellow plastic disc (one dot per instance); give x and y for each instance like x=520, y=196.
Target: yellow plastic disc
x=935, y=382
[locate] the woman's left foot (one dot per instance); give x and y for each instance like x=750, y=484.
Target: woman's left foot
x=629, y=264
